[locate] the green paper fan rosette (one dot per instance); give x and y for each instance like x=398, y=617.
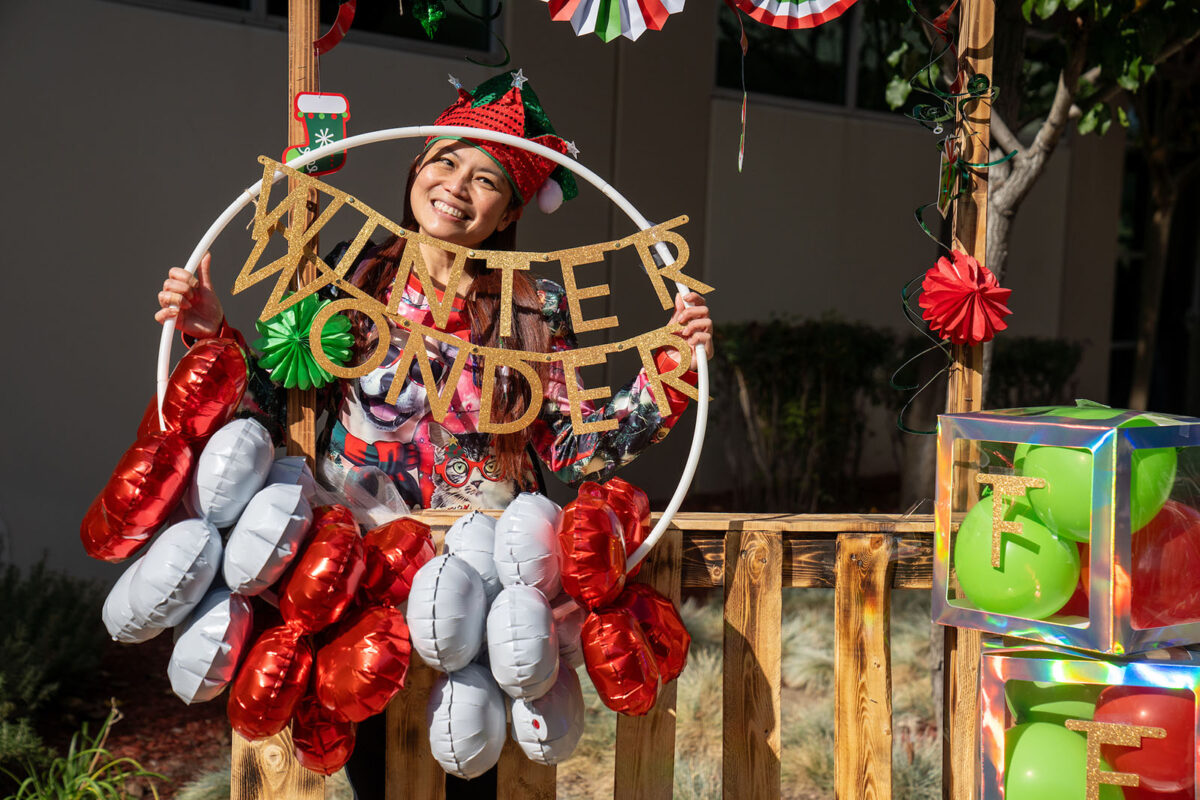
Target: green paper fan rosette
x=284, y=345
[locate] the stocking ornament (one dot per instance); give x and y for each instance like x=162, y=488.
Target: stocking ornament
x=324, y=117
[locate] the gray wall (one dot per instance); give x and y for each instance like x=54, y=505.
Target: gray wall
x=131, y=128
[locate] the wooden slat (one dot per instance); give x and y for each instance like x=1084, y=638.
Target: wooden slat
x=518, y=778
x=645, y=752
x=863, y=667
x=412, y=772
x=267, y=770
x=751, y=679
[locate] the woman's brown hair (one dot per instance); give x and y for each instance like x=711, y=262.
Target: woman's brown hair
x=511, y=397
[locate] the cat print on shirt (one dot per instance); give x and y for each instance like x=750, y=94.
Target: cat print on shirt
x=466, y=473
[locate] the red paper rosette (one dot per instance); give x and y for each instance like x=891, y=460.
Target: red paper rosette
x=620, y=662
x=144, y=489
x=963, y=300
x=394, y=553
x=326, y=575
x=632, y=508
x=323, y=741
x=205, y=389
x=364, y=666
x=592, y=551
x=662, y=626
x=270, y=682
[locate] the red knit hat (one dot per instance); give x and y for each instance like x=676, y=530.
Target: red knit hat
x=508, y=106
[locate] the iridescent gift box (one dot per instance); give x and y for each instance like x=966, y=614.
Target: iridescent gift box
x=1096, y=544
x=1061, y=724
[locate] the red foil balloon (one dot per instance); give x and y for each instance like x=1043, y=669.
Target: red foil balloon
x=619, y=661
x=143, y=491
x=205, y=388
x=1166, y=563
x=270, y=682
x=327, y=573
x=662, y=626
x=364, y=666
x=632, y=508
x=323, y=741
x=592, y=551
x=394, y=553
x=1164, y=765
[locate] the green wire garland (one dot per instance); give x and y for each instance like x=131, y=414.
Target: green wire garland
x=284, y=345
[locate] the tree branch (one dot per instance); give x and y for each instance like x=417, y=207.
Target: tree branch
x=1003, y=136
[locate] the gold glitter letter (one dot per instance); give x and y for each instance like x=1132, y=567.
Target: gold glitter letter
x=1098, y=733
x=646, y=345
x=439, y=397
x=645, y=242
x=507, y=262
x=511, y=360
x=1005, y=486
x=570, y=260
x=577, y=395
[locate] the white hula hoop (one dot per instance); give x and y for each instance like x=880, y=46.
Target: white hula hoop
x=420, y=131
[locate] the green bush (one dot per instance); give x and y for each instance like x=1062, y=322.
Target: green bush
x=50, y=641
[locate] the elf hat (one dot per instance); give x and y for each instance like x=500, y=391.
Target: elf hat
x=505, y=105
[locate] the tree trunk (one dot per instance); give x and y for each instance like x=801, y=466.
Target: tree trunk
x=1154, y=270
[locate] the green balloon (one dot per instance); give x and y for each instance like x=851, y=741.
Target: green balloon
x=1065, y=504
x=1038, y=570
x=1043, y=701
x=1044, y=761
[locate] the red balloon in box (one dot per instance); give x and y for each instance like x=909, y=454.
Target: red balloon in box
x=592, y=551
x=364, y=666
x=394, y=552
x=270, y=682
x=323, y=741
x=1163, y=765
x=662, y=626
x=632, y=508
x=144, y=489
x=326, y=575
x=619, y=661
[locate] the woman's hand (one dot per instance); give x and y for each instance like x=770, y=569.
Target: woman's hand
x=191, y=302
x=692, y=313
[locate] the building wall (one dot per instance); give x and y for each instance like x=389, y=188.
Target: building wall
x=134, y=127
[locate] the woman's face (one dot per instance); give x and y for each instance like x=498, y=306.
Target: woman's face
x=459, y=195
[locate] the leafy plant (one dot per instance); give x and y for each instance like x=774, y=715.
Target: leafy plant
x=1029, y=371
x=88, y=770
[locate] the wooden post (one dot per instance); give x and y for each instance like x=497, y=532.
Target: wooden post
x=751, y=767
x=960, y=739
x=275, y=757
x=862, y=667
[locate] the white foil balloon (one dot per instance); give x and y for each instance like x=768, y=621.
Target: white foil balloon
x=549, y=728
x=467, y=719
x=293, y=470
x=266, y=538
x=232, y=468
x=123, y=625
x=472, y=538
x=175, y=573
x=211, y=643
x=446, y=610
x=526, y=544
x=568, y=624
x=522, y=645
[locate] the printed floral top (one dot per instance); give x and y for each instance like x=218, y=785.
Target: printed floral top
x=451, y=464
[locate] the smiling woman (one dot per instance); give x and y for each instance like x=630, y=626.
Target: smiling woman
x=466, y=193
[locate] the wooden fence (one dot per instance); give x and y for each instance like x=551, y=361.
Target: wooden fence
x=754, y=557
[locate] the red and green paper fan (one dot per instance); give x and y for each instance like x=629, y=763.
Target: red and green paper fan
x=790, y=14
x=609, y=19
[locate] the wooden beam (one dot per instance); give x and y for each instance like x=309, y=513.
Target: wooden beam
x=645, y=756
x=751, y=675
x=961, y=687
x=862, y=667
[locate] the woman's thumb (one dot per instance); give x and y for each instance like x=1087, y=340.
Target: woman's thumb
x=203, y=274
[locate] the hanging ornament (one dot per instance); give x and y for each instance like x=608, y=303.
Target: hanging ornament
x=324, y=116
x=963, y=300
x=609, y=19
x=286, y=350
x=793, y=15
x=334, y=35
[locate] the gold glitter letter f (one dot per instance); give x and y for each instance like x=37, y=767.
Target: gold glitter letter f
x=1005, y=486
x=1098, y=733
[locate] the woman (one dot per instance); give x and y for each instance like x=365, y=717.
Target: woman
x=468, y=193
